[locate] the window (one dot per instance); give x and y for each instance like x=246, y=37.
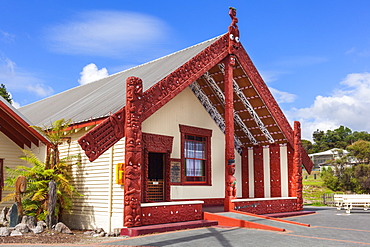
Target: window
x=195, y=158
x=195, y=155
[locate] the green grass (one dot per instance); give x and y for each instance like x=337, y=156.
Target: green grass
x=313, y=188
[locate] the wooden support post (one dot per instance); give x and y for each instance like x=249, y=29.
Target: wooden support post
x=133, y=152
x=297, y=165
x=230, y=181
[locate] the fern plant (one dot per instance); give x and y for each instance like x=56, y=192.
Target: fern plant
x=36, y=198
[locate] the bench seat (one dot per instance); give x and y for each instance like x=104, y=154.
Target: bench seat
x=348, y=201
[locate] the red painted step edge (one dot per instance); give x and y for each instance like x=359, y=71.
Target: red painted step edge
x=270, y=218
x=228, y=221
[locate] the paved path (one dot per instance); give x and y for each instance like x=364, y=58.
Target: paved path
x=329, y=227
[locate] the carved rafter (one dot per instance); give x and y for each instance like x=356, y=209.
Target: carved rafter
x=213, y=112
x=249, y=107
x=221, y=97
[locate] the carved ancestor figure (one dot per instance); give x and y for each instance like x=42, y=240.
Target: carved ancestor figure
x=234, y=42
x=133, y=153
x=230, y=179
x=20, y=187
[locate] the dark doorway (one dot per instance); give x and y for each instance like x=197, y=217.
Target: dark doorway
x=156, y=181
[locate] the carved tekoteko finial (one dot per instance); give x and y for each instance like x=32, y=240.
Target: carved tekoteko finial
x=234, y=36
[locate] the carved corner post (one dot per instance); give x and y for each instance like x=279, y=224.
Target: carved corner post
x=297, y=165
x=133, y=152
x=230, y=180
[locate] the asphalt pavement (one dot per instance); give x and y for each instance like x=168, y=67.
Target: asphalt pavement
x=328, y=227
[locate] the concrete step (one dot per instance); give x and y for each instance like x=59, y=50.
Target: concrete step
x=142, y=230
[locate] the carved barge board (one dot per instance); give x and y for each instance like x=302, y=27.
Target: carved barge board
x=170, y=86
x=270, y=102
x=105, y=135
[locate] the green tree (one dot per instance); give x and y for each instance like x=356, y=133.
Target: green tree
x=361, y=151
x=307, y=145
x=36, y=198
x=5, y=94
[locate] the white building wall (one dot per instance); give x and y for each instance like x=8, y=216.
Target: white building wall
x=10, y=153
x=186, y=109
x=102, y=202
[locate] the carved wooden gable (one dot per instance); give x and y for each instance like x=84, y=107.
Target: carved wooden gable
x=258, y=120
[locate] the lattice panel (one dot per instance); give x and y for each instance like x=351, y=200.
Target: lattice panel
x=155, y=190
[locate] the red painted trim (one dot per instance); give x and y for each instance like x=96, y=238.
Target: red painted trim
x=103, y=136
x=267, y=206
x=14, y=135
x=245, y=174
x=297, y=164
x=158, y=144
x=171, y=213
x=264, y=93
x=174, y=83
x=20, y=126
x=266, y=96
x=22, y=133
x=133, y=150
x=232, y=222
x=86, y=124
x=259, y=187
x=275, y=176
x=195, y=131
x=229, y=130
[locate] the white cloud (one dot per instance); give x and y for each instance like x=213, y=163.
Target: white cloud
x=17, y=80
x=107, y=33
x=91, y=73
x=7, y=37
x=282, y=97
x=271, y=76
x=349, y=107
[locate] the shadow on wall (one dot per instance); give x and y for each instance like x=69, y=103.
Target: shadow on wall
x=83, y=214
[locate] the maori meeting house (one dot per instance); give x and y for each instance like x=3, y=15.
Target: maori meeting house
x=162, y=141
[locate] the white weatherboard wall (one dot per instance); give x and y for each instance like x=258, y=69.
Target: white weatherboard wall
x=92, y=178
x=10, y=153
x=186, y=109
x=102, y=202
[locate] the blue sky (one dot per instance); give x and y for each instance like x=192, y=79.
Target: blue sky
x=314, y=55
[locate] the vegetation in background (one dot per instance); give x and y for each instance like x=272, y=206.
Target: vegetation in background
x=314, y=188
x=5, y=94
x=340, y=138
x=354, y=178
x=36, y=198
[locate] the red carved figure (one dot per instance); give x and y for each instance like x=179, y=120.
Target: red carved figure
x=231, y=180
x=133, y=152
x=234, y=42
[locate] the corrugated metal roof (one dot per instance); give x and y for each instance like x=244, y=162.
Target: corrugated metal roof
x=108, y=95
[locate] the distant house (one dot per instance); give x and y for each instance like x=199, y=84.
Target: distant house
x=158, y=141
x=322, y=159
